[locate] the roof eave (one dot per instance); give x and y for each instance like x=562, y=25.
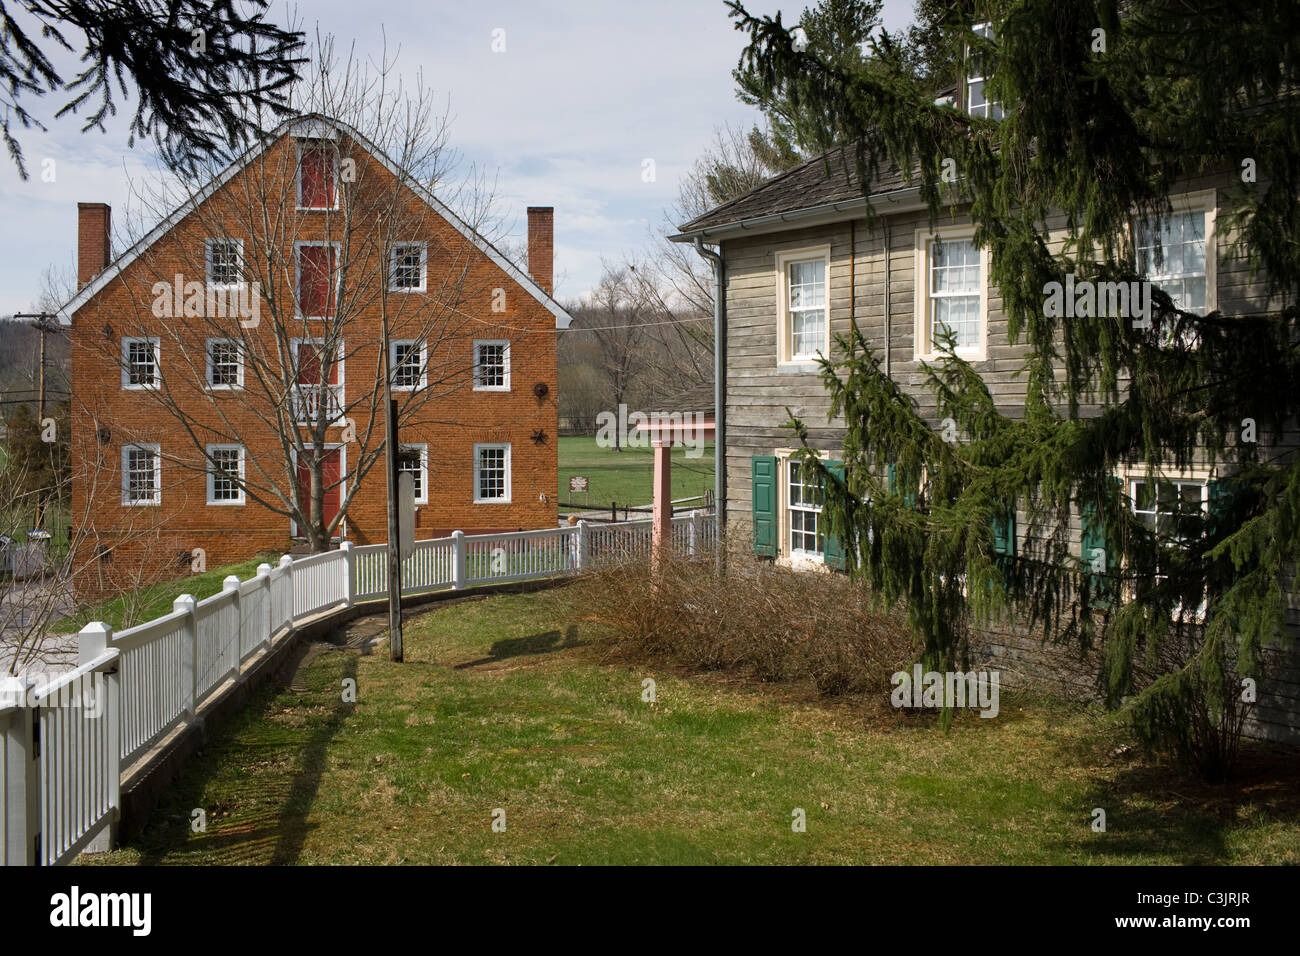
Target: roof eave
x=896, y=201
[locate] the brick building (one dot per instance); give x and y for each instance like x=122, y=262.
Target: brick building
x=227, y=370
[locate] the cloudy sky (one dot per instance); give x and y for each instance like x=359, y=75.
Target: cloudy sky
x=584, y=93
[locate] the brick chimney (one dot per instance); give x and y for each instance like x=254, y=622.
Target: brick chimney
x=93, y=253
x=541, y=246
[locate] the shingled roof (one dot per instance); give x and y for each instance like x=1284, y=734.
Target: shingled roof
x=830, y=178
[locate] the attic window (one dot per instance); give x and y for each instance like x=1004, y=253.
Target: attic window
x=317, y=176
x=977, y=104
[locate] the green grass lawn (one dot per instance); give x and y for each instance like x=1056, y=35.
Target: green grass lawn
x=505, y=703
x=157, y=599
x=628, y=476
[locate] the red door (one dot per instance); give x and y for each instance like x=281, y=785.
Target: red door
x=330, y=472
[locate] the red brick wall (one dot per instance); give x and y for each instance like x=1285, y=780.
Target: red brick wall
x=449, y=424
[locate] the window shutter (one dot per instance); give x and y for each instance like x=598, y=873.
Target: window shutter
x=832, y=546
x=1092, y=538
x=763, y=498
x=1004, y=533
x=909, y=499
x=1220, y=494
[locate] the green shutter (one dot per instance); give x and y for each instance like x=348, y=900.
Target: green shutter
x=1220, y=494
x=832, y=547
x=909, y=499
x=763, y=497
x=1004, y=533
x=1093, y=538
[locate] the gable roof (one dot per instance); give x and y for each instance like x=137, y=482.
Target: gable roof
x=312, y=125
x=827, y=186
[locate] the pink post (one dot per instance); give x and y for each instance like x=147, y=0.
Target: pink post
x=661, y=533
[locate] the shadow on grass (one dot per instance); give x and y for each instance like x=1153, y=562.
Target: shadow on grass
x=1152, y=810
x=268, y=824
x=543, y=643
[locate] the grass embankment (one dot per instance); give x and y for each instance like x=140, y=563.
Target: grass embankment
x=510, y=703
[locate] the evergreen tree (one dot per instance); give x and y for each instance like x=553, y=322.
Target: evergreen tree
x=1111, y=104
x=199, y=69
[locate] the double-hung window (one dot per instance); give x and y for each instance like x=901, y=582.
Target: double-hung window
x=803, y=305
x=225, y=474
x=225, y=366
x=804, y=497
x=140, y=361
x=225, y=262
x=141, y=475
x=951, y=294
x=408, y=365
x=414, y=459
x=1175, y=253
x=491, y=473
x=491, y=365
x=1173, y=508
x=977, y=102
x=406, y=267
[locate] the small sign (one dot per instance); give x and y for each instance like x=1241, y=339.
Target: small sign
x=577, y=483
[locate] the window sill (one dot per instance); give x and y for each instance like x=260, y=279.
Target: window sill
x=140, y=388
x=226, y=504
x=798, y=367
x=491, y=501
x=491, y=388
x=141, y=504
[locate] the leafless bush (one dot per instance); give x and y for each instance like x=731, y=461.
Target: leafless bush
x=771, y=623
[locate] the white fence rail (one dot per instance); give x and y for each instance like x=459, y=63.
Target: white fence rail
x=64, y=745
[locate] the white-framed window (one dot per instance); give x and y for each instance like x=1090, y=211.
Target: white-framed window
x=225, y=474
x=491, y=365
x=317, y=174
x=1173, y=505
x=1176, y=253
x=491, y=473
x=407, y=267
x=415, y=459
x=142, y=474
x=225, y=364
x=317, y=278
x=977, y=103
x=141, y=363
x=951, y=292
x=803, y=304
x=224, y=262
x=409, y=364
x=804, y=497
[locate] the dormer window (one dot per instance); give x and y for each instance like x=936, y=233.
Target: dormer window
x=317, y=175
x=977, y=104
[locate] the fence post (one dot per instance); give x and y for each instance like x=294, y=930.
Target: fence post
x=694, y=528
x=22, y=828
x=92, y=641
x=286, y=561
x=264, y=579
x=583, y=545
x=346, y=548
x=460, y=560
x=231, y=583
x=189, y=652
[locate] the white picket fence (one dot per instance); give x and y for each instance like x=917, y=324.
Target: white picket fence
x=65, y=745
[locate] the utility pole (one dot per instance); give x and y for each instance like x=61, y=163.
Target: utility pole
x=42, y=322
x=390, y=469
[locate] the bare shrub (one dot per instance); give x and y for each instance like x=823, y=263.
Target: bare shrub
x=772, y=623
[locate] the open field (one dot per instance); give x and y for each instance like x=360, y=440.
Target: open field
x=507, y=704
x=628, y=476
